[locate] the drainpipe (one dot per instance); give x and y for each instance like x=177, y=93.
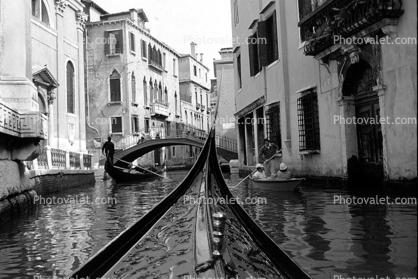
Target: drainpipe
x=87, y=85
x=285, y=63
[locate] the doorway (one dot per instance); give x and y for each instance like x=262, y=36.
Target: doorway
x=360, y=81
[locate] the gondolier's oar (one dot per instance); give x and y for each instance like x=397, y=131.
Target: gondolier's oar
x=268, y=160
x=142, y=168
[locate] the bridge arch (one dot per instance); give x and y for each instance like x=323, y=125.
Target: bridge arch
x=141, y=149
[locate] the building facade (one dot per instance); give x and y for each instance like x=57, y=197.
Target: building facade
x=301, y=70
x=133, y=80
x=43, y=71
x=194, y=96
x=224, y=82
x=194, y=90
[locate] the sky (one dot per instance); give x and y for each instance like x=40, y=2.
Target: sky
x=179, y=22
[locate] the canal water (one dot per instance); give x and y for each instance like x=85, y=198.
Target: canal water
x=328, y=238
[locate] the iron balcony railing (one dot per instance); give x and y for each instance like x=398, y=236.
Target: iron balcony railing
x=341, y=18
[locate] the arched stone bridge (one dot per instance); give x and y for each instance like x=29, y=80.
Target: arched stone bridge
x=136, y=151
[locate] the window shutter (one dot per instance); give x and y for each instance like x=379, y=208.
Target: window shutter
x=275, y=44
x=119, y=41
x=251, y=55
x=262, y=40
x=107, y=46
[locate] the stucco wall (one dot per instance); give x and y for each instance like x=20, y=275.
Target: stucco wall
x=399, y=63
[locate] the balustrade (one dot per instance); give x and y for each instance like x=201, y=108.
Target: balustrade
x=58, y=158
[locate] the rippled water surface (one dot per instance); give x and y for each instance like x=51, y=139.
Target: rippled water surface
x=326, y=239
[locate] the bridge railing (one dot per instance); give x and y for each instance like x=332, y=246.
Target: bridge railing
x=172, y=130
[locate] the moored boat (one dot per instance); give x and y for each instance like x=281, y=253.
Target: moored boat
x=188, y=235
x=275, y=184
x=123, y=175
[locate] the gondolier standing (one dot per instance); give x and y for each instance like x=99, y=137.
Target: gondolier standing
x=108, y=149
x=267, y=151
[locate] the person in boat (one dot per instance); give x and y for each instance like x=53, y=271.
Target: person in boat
x=267, y=151
x=284, y=172
x=108, y=149
x=259, y=174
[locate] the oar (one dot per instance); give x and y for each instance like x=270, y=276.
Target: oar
x=268, y=160
x=141, y=168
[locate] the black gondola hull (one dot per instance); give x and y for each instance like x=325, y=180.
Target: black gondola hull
x=120, y=176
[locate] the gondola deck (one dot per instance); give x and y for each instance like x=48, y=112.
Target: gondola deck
x=174, y=239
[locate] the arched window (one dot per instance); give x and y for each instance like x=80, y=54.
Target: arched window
x=160, y=92
x=155, y=90
x=40, y=11
x=133, y=84
x=70, y=87
x=145, y=89
x=115, y=95
x=151, y=92
x=187, y=120
x=165, y=95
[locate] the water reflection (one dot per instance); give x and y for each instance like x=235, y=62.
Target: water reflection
x=330, y=239
x=325, y=238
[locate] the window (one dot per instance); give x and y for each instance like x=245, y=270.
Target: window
x=70, y=87
x=273, y=127
x=239, y=70
x=195, y=94
x=271, y=38
x=116, y=124
x=115, y=95
x=143, y=49
x=308, y=121
x=174, y=151
x=236, y=14
x=175, y=103
x=195, y=71
x=133, y=86
x=174, y=67
x=40, y=11
x=164, y=56
x=255, y=66
x=145, y=89
x=135, y=124
x=206, y=77
x=200, y=74
x=114, y=42
x=132, y=41
x=166, y=95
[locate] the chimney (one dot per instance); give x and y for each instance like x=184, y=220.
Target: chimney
x=201, y=58
x=193, y=49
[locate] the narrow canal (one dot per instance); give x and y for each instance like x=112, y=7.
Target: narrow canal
x=324, y=236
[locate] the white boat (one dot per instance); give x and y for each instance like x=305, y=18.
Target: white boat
x=277, y=184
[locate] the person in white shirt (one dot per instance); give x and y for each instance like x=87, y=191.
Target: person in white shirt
x=283, y=172
x=259, y=174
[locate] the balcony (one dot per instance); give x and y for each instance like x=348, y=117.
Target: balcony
x=160, y=109
x=203, y=107
x=113, y=52
x=27, y=125
x=155, y=66
x=343, y=19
